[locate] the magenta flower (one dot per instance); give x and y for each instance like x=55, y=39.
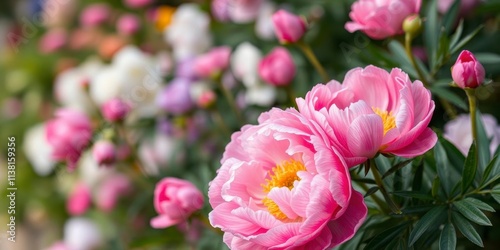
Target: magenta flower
x=79, y=200
x=128, y=24
x=277, y=68
x=69, y=133
x=213, y=62
x=175, y=200
x=104, y=152
x=289, y=28
x=115, y=110
x=372, y=112
x=53, y=40
x=111, y=190
x=95, y=14
x=137, y=3
x=282, y=185
x=381, y=19
x=467, y=72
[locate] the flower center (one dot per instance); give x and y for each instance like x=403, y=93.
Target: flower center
x=283, y=175
x=387, y=119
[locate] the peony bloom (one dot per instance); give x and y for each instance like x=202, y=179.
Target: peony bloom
x=104, y=152
x=277, y=68
x=175, y=200
x=289, y=28
x=110, y=190
x=372, y=112
x=68, y=134
x=467, y=71
x=238, y=11
x=381, y=19
x=176, y=98
x=115, y=110
x=459, y=132
x=213, y=62
x=283, y=186
x=82, y=234
x=95, y=14
x=38, y=150
x=128, y=24
x=53, y=40
x=79, y=200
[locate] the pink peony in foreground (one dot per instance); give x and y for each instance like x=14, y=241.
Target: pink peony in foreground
x=282, y=186
x=372, y=112
x=381, y=19
x=69, y=133
x=175, y=200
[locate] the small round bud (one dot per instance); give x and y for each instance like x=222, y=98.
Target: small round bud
x=412, y=24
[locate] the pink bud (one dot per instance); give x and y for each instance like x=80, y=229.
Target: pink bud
x=467, y=71
x=104, y=152
x=289, y=28
x=95, y=14
x=213, y=62
x=277, y=68
x=115, y=110
x=175, y=200
x=206, y=99
x=79, y=200
x=127, y=24
x=53, y=40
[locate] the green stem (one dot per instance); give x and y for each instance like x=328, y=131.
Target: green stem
x=306, y=49
x=409, y=52
x=204, y=220
x=220, y=122
x=378, y=179
x=291, y=95
x=230, y=99
x=449, y=109
x=375, y=198
x=472, y=109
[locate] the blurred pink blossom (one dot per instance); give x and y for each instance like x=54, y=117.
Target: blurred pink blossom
x=459, y=132
x=138, y=3
x=277, y=68
x=213, y=62
x=53, y=40
x=111, y=190
x=128, y=24
x=104, y=153
x=95, y=14
x=288, y=27
x=115, y=110
x=79, y=200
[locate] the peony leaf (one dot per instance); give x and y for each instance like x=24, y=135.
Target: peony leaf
x=381, y=240
x=479, y=204
x=470, y=167
x=431, y=33
x=430, y=218
x=472, y=213
x=467, y=229
x=448, y=238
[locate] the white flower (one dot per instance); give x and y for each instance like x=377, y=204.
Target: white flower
x=245, y=62
x=70, y=86
x=81, y=234
x=156, y=152
x=38, y=150
x=264, y=27
x=90, y=172
x=189, y=33
x=459, y=132
x=262, y=95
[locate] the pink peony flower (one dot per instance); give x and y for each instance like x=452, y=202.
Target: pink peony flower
x=110, y=190
x=282, y=186
x=373, y=111
x=104, y=152
x=289, y=28
x=467, y=71
x=459, y=132
x=277, y=68
x=79, y=200
x=115, y=110
x=175, y=200
x=53, y=40
x=175, y=97
x=68, y=134
x=95, y=14
x=238, y=11
x=213, y=62
x=128, y=24
x=381, y=19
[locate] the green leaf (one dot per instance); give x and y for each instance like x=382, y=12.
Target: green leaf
x=479, y=204
x=467, y=229
x=429, y=219
x=443, y=168
x=457, y=34
x=435, y=186
x=446, y=94
x=492, y=172
x=396, y=167
x=381, y=240
x=487, y=58
x=448, y=238
x=472, y=213
x=450, y=17
x=371, y=191
x=465, y=40
x=470, y=167
x=414, y=194
x=496, y=197
x=431, y=32
x=483, y=143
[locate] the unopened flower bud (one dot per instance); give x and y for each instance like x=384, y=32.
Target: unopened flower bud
x=467, y=71
x=412, y=24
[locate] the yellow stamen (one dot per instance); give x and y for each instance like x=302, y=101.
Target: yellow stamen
x=387, y=119
x=283, y=175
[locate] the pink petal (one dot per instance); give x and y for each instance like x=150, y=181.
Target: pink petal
x=346, y=226
x=164, y=221
x=365, y=135
x=282, y=197
x=425, y=141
